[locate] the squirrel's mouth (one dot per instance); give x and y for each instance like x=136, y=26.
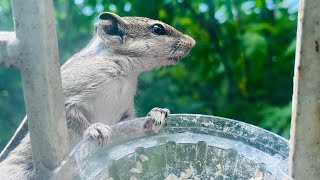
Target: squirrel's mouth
x=178, y=55
x=176, y=58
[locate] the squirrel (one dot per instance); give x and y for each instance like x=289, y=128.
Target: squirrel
x=99, y=82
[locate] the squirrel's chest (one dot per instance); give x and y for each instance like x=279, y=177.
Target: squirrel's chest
x=114, y=100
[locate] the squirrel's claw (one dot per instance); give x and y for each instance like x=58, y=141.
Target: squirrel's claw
x=98, y=132
x=158, y=115
x=156, y=119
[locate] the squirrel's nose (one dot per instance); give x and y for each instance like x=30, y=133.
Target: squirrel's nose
x=189, y=41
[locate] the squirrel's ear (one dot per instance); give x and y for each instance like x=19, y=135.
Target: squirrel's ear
x=110, y=23
x=109, y=16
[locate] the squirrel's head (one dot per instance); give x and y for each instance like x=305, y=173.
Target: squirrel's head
x=153, y=42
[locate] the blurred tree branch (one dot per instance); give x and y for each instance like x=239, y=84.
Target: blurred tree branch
x=212, y=27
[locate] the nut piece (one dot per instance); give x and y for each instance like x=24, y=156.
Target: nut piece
x=219, y=172
x=196, y=178
x=137, y=169
x=143, y=158
x=258, y=175
x=133, y=178
x=171, y=177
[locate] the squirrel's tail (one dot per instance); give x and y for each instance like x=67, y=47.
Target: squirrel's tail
x=18, y=165
x=16, y=139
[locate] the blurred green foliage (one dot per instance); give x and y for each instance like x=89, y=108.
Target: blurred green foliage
x=241, y=67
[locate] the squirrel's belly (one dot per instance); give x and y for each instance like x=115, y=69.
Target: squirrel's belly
x=109, y=107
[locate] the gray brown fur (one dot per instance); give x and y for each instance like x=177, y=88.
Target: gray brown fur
x=99, y=82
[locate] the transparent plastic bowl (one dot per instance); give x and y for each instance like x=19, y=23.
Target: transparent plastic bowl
x=282, y=170
x=197, y=146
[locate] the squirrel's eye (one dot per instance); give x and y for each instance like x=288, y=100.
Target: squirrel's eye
x=158, y=29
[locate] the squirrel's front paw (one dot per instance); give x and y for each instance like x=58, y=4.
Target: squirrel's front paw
x=98, y=132
x=156, y=119
x=158, y=115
